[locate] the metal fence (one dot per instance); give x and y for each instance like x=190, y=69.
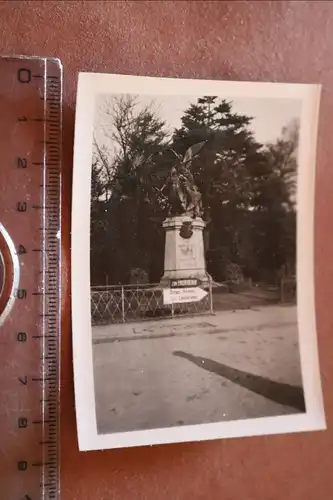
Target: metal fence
x=128, y=303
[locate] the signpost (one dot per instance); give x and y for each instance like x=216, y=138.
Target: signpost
x=183, y=295
x=185, y=283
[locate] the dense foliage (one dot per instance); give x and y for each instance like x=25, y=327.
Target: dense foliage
x=248, y=191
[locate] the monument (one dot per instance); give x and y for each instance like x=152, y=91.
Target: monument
x=184, y=256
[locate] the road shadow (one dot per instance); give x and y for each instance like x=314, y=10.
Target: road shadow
x=281, y=393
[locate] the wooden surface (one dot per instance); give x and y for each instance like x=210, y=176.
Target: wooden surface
x=278, y=41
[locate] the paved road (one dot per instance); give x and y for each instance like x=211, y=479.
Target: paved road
x=232, y=365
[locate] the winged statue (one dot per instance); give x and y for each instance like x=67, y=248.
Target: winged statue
x=183, y=194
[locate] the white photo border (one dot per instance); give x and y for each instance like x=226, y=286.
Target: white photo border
x=89, y=86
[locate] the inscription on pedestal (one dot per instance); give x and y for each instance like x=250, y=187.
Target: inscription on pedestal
x=187, y=257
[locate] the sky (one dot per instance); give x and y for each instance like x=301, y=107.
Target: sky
x=269, y=115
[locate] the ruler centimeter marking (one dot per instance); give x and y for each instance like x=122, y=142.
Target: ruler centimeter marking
x=30, y=201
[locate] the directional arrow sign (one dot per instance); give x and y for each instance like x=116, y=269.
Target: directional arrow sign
x=181, y=295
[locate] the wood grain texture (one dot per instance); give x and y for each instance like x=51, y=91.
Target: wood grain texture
x=266, y=41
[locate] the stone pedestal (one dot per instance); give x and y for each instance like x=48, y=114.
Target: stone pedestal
x=184, y=249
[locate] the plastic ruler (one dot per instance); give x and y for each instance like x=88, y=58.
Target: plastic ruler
x=30, y=260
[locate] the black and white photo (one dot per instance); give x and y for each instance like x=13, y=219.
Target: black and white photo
x=192, y=260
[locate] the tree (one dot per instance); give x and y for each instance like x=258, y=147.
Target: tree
x=283, y=160
x=226, y=173
x=100, y=195
x=136, y=135
x=276, y=223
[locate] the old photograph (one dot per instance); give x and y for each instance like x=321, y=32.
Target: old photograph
x=194, y=196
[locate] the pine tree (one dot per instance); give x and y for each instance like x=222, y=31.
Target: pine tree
x=226, y=172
